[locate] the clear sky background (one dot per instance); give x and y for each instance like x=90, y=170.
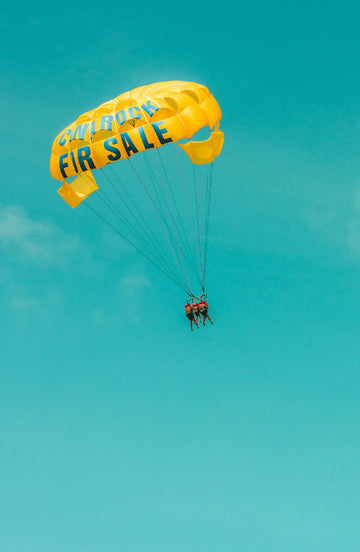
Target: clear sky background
x=120, y=430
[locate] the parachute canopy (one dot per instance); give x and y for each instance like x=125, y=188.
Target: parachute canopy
x=143, y=121
x=144, y=118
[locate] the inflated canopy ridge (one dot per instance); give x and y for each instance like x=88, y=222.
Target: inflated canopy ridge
x=144, y=118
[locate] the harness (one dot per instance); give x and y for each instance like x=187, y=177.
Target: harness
x=198, y=304
x=189, y=311
x=203, y=309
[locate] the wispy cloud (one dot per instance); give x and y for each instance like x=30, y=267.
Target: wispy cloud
x=34, y=252
x=133, y=289
x=27, y=301
x=26, y=305
x=36, y=240
x=353, y=239
x=339, y=225
x=353, y=228
x=131, y=298
x=134, y=283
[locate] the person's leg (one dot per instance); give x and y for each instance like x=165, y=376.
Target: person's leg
x=207, y=314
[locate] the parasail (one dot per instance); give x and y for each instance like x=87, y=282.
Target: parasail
x=145, y=157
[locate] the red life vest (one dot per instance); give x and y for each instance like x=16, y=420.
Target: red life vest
x=188, y=308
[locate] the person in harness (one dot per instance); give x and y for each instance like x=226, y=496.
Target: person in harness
x=203, y=309
x=196, y=311
x=190, y=314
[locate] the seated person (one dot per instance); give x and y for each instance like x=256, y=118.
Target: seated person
x=203, y=308
x=196, y=311
x=190, y=314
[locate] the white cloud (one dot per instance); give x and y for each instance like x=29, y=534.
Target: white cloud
x=37, y=240
x=29, y=248
x=133, y=289
x=26, y=302
x=324, y=220
x=23, y=304
x=353, y=228
x=134, y=282
x=340, y=225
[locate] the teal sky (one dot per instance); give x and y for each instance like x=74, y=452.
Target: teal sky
x=120, y=429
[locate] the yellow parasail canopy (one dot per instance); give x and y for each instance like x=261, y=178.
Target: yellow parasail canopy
x=171, y=229
x=144, y=118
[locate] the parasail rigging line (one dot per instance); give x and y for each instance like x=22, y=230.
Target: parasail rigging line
x=132, y=209
x=119, y=216
x=159, y=194
x=181, y=266
x=108, y=223
x=291, y=403
x=103, y=197
x=155, y=186
x=209, y=183
x=197, y=203
x=189, y=256
x=190, y=217
x=176, y=232
x=179, y=260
